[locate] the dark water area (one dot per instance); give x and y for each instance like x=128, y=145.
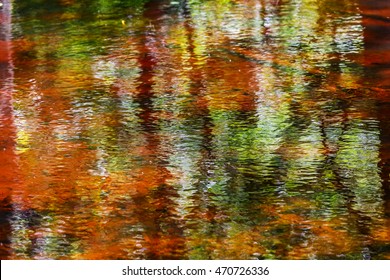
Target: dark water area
x=195, y=129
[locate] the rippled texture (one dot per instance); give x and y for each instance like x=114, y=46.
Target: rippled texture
x=198, y=129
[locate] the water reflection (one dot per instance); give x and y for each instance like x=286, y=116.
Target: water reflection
x=194, y=130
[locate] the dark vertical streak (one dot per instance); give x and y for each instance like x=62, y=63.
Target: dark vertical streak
x=384, y=152
x=156, y=210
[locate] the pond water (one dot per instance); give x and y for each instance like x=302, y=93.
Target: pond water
x=194, y=129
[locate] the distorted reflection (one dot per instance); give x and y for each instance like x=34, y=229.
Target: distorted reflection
x=195, y=129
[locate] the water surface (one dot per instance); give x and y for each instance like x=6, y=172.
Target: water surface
x=225, y=129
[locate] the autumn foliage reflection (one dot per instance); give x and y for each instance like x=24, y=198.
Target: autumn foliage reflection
x=194, y=129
